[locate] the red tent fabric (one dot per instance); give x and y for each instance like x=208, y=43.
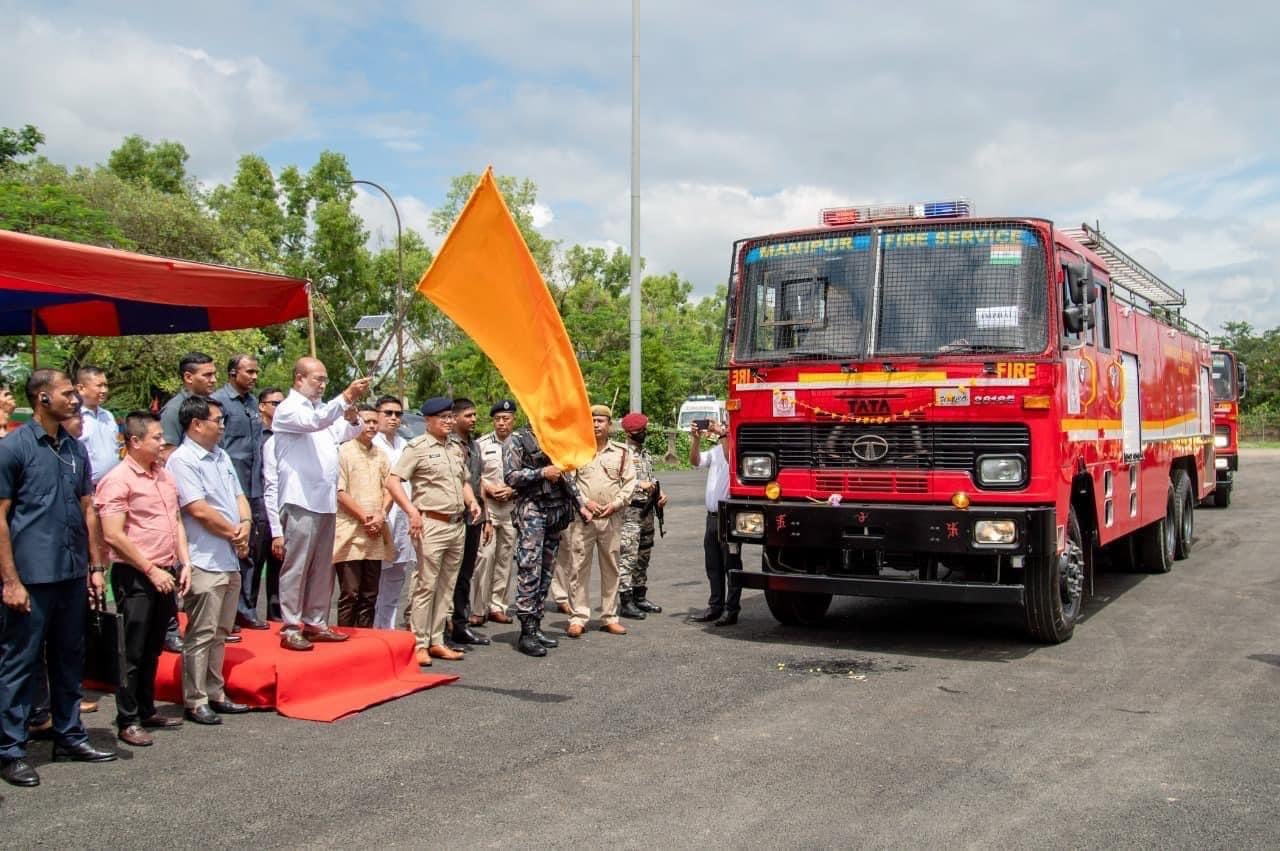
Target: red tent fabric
x=70, y=288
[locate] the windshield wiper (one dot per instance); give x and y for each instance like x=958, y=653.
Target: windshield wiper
x=964, y=347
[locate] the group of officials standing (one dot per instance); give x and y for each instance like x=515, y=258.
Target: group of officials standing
x=232, y=489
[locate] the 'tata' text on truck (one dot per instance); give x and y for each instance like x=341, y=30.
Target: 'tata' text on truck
x=1230, y=380
x=925, y=405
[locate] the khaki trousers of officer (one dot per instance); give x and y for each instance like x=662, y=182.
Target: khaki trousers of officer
x=210, y=604
x=491, y=588
x=439, y=559
x=602, y=537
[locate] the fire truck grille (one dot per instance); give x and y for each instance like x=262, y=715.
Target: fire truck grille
x=892, y=450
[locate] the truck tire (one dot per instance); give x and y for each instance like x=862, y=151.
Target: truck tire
x=1222, y=497
x=793, y=608
x=1184, y=506
x=1158, y=541
x=1054, y=595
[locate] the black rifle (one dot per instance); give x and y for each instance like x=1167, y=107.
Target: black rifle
x=654, y=504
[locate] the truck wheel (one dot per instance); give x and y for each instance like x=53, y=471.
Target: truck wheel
x=1184, y=506
x=793, y=608
x=1054, y=592
x=1158, y=541
x=1222, y=498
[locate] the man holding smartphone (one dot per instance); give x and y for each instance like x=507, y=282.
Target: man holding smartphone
x=724, y=602
x=137, y=503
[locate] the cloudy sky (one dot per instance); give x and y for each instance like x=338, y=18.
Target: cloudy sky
x=1158, y=119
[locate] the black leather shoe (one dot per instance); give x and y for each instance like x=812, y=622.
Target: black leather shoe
x=233, y=638
x=543, y=639
x=462, y=634
x=160, y=722
x=707, y=616
x=18, y=772
x=250, y=623
x=627, y=607
x=528, y=643
x=202, y=714
x=727, y=619
x=454, y=646
x=173, y=644
x=83, y=752
x=228, y=707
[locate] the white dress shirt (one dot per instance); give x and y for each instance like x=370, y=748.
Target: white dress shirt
x=717, y=476
x=99, y=439
x=271, y=487
x=307, y=436
x=397, y=519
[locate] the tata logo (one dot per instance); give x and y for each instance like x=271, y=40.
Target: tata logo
x=869, y=448
x=870, y=407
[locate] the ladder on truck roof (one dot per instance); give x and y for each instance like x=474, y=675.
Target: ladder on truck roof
x=1140, y=281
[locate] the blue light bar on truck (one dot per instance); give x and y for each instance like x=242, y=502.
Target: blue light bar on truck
x=958, y=209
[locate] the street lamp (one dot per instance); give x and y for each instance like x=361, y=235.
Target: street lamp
x=399, y=287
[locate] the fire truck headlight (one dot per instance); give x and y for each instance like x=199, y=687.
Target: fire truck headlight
x=749, y=524
x=758, y=466
x=1001, y=470
x=1220, y=463
x=1221, y=439
x=995, y=532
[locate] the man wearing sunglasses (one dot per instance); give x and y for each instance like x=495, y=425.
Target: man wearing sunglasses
x=401, y=558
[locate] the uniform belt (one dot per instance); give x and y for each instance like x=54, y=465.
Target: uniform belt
x=442, y=517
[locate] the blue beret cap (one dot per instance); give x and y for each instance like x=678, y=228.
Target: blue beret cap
x=436, y=405
x=506, y=406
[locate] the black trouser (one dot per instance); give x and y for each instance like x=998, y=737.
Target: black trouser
x=719, y=562
x=357, y=591
x=252, y=566
x=146, y=613
x=462, y=589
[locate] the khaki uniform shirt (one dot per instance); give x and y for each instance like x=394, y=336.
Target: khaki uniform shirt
x=491, y=459
x=361, y=473
x=610, y=477
x=436, y=472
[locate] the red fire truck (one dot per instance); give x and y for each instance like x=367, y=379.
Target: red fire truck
x=926, y=405
x=1230, y=380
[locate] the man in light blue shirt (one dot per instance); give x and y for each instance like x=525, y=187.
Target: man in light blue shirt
x=216, y=517
x=100, y=436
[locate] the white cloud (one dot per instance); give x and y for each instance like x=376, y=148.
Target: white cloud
x=113, y=81
x=380, y=220
x=541, y=215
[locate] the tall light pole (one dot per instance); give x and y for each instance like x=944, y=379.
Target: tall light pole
x=399, y=288
x=635, y=205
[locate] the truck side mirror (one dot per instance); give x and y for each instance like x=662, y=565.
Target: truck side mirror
x=1080, y=282
x=1077, y=317
x=1242, y=379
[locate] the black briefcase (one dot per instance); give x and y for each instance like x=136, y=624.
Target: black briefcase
x=104, y=645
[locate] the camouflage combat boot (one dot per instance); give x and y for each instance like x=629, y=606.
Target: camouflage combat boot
x=642, y=602
x=528, y=643
x=627, y=607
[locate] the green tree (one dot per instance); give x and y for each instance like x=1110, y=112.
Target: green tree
x=1260, y=352
x=249, y=207
x=18, y=143
x=161, y=165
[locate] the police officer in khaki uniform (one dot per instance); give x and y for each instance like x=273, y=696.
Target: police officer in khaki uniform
x=437, y=476
x=606, y=484
x=497, y=556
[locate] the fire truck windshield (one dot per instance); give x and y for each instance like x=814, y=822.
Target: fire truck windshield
x=930, y=289
x=1224, y=369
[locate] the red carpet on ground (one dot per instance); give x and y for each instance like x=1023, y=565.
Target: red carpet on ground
x=330, y=681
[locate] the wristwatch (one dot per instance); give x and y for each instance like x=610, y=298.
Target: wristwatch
x=97, y=568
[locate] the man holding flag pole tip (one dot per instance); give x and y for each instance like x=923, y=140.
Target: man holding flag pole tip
x=484, y=261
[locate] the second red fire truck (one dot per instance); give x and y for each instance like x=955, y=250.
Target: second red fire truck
x=927, y=405
x=1230, y=380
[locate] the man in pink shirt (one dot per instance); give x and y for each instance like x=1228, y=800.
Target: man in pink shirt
x=137, y=502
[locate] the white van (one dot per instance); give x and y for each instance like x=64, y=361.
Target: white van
x=701, y=408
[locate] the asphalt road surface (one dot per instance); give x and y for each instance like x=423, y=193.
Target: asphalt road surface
x=894, y=725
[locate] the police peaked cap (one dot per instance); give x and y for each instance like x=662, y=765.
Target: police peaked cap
x=506, y=406
x=436, y=405
x=601, y=411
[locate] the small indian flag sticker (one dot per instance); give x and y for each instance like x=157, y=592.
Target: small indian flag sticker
x=1006, y=254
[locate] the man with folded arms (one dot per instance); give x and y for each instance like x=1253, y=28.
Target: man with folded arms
x=307, y=432
x=137, y=503
x=434, y=468
x=359, y=542
x=217, y=519
x=400, y=557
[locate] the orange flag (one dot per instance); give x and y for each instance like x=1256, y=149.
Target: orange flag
x=485, y=280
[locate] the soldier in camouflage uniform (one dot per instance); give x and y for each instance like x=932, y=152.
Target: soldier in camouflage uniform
x=545, y=504
x=637, y=525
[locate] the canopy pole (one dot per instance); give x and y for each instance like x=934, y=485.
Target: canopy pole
x=311, y=322
x=35, y=352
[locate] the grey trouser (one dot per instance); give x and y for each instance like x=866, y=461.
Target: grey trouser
x=210, y=605
x=306, y=577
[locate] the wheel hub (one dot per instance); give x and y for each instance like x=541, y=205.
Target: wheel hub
x=1071, y=573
